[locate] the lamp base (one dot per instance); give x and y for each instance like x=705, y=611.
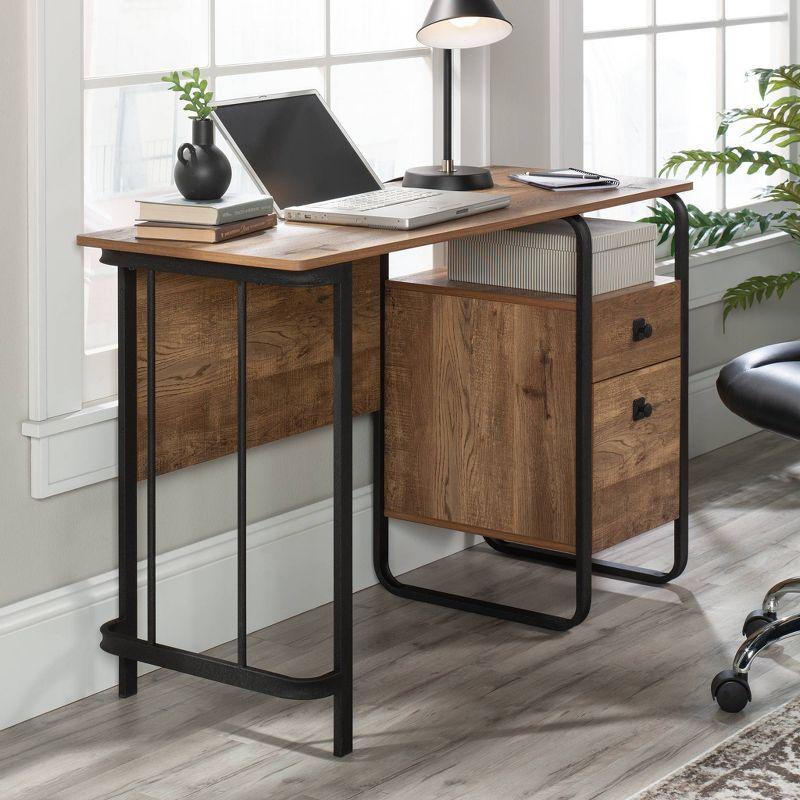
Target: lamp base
x=462, y=179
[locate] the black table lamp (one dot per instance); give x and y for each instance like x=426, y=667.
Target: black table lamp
x=459, y=24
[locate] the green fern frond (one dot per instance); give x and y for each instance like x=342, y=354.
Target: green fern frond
x=715, y=228
x=776, y=79
x=778, y=123
x=786, y=192
x=790, y=225
x=756, y=290
x=729, y=161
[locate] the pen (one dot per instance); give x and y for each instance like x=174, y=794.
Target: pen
x=586, y=177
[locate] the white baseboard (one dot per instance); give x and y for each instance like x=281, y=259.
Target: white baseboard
x=49, y=645
x=711, y=425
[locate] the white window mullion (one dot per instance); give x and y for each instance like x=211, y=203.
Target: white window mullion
x=654, y=89
x=722, y=97
x=212, y=45
x=327, y=67
x=56, y=208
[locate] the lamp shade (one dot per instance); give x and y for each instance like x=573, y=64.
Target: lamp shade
x=460, y=24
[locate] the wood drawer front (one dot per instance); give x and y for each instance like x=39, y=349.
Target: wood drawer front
x=615, y=350
x=636, y=463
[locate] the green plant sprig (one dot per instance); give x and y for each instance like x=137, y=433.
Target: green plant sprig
x=777, y=124
x=729, y=161
x=714, y=228
x=193, y=92
x=756, y=290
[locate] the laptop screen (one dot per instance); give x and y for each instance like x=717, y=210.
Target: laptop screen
x=297, y=150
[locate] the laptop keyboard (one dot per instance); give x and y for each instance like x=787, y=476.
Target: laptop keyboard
x=381, y=198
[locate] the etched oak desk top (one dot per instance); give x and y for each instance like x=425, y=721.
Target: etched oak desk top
x=301, y=246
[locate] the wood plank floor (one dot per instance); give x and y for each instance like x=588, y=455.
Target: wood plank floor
x=453, y=706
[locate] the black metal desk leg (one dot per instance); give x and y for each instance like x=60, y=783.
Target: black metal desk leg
x=120, y=636
x=584, y=360
x=343, y=512
x=128, y=616
x=682, y=274
x=583, y=473
x=241, y=474
x=681, y=525
x=151, y=457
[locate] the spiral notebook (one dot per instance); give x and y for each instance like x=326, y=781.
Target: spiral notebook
x=566, y=180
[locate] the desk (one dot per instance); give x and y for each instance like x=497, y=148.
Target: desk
x=299, y=258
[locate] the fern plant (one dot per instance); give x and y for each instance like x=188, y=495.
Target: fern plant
x=775, y=124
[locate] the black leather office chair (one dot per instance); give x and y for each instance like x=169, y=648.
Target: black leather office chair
x=763, y=387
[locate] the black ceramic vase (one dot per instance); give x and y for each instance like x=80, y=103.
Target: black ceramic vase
x=203, y=171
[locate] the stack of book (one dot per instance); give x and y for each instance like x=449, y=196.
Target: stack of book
x=172, y=217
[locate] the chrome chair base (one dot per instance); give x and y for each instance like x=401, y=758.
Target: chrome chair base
x=762, y=628
x=777, y=593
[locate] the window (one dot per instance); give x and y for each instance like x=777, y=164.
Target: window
x=349, y=50
x=103, y=131
x=661, y=70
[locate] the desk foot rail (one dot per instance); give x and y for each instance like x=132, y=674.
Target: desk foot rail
x=117, y=643
x=610, y=569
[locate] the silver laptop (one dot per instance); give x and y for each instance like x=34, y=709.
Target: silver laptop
x=294, y=149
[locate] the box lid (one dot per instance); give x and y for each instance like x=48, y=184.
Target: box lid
x=607, y=234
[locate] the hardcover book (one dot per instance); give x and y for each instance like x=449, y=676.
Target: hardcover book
x=233, y=208
x=210, y=234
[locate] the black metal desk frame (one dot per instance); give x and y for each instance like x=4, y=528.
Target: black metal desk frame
x=582, y=562
x=120, y=636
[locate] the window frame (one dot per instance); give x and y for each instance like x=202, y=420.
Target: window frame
x=720, y=25
x=73, y=443
x=99, y=365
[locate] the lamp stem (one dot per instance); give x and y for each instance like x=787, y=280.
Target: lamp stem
x=447, y=151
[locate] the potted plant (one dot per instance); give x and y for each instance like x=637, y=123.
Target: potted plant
x=203, y=171
x=778, y=124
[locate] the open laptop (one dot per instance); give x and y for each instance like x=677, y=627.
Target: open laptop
x=295, y=149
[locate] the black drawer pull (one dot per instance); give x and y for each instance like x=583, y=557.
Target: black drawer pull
x=642, y=330
x=641, y=409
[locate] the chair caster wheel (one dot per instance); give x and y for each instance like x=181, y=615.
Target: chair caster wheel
x=756, y=620
x=731, y=691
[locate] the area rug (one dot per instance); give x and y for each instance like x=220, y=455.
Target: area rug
x=761, y=762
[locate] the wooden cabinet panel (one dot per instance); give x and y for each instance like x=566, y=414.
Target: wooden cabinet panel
x=289, y=357
x=480, y=436
x=475, y=412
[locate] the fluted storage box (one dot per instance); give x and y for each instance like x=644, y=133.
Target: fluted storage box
x=541, y=258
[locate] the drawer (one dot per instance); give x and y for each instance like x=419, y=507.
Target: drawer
x=616, y=349
x=636, y=460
